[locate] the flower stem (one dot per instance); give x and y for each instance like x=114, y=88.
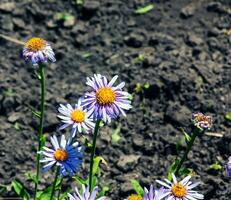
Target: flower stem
x=93, y=153
x=196, y=132
x=54, y=183
x=59, y=191
x=40, y=131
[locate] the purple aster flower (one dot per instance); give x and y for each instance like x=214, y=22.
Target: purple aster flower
x=77, y=117
x=153, y=194
x=182, y=190
x=202, y=121
x=85, y=194
x=106, y=101
x=63, y=154
x=37, y=51
x=229, y=166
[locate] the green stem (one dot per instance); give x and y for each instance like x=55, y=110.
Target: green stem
x=54, y=183
x=189, y=147
x=40, y=131
x=59, y=191
x=93, y=153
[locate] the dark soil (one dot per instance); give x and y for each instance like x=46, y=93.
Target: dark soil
x=187, y=64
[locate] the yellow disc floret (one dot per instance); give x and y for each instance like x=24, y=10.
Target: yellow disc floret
x=61, y=155
x=178, y=190
x=36, y=44
x=134, y=197
x=78, y=116
x=105, y=96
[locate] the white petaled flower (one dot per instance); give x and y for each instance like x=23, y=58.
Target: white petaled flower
x=37, y=50
x=77, y=117
x=85, y=194
x=64, y=154
x=182, y=190
x=106, y=101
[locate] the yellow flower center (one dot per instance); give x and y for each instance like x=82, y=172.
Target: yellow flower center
x=35, y=44
x=134, y=197
x=78, y=116
x=105, y=96
x=61, y=155
x=178, y=190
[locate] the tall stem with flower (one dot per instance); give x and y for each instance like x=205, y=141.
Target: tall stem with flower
x=201, y=123
x=38, y=52
x=105, y=102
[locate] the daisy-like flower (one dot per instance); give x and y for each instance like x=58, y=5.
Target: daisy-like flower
x=37, y=50
x=77, y=117
x=153, y=194
x=180, y=190
x=86, y=195
x=63, y=154
x=202, y=121
x=106, y=101
x=229, y=166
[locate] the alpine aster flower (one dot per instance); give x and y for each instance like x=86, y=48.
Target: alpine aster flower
x=78, y=117
x=229, y=166
x=202, y=121
x=180, y=190
x=153, y=194
x=63, y=154
x=106, y=101
x=86, y=195
x=37, y=51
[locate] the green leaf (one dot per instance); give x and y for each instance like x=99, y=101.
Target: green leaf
x=146, y=86
x=64, y=16
x=20, y=190
x=187, y=136
x=80, y=2
x=34, y=112
x=3, y=189
x=172, y=169
x=103, y=191
x=94, y=181
x=97, y=161
x=138, y=88
x=228, y=116
x=185, y=171
x=137, y=187
x=80, y=181
x=16, y=126
x=115, y=137
x=145, y=9
x=42, y=195
x=215, y=166
x=101, y=124
x=42, y=140
x=87, y=55
x=31, y=177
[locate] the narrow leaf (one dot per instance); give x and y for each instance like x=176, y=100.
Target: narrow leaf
x=145, y=9
x=20, y=190
x=172, y=169
x=137, y=187
x=97, y=161
x=228, y=116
